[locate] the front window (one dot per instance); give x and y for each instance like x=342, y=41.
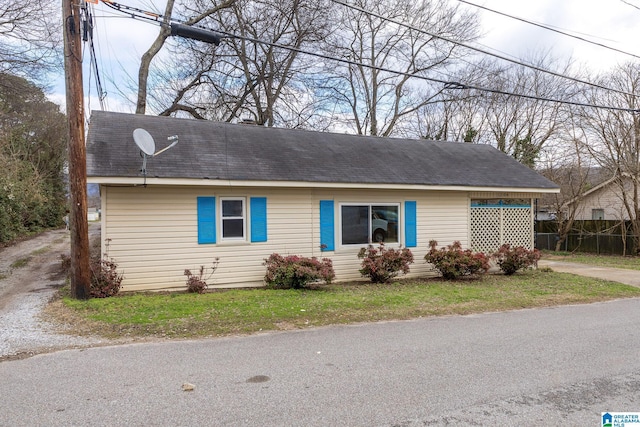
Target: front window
x=597, y=214
x=369, y=223
x=233, y=218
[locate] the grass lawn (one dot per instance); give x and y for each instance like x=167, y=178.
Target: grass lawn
x=615, y=261
x=245, y=311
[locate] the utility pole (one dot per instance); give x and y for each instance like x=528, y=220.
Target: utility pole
x=78, y=223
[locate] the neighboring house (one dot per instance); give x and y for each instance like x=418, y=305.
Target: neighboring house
x=93, y=214
x=604, y=201
x=242, y=192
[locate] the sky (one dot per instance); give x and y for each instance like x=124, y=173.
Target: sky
x=120, y=41
x=610, y=22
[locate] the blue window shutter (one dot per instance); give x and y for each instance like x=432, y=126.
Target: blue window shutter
x=327, y=228
x=258, y=219
x=410, y=225
x=206, y=220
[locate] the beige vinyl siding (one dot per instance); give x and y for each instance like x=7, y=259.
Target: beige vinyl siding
x=441, y=216
x=607, y=198
x=154, y=235
x=154, y=238
x=446, y=219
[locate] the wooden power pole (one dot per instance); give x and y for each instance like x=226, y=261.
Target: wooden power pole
x=78, y=222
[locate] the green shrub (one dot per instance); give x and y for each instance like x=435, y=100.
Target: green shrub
x=383, y=264
x=453, y=262
x=296, y=272
x=511, y=260
x=197, y=283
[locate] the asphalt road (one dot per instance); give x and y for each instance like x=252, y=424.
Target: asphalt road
x=561, y=366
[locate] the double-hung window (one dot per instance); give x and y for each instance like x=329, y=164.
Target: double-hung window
x=369, y=223
x=233, y=218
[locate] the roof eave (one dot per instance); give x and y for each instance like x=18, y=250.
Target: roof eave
x=304, y=184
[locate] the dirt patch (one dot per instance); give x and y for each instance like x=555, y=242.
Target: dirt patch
x=31, y=274
x=67, y=321
x=32, y=265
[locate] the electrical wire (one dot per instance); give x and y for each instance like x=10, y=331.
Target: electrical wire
x=629, y=4
x=132, y=11
x=88, y=24
x=550, y=28
x=98, y=58
x=476, y=49
x=447, y=83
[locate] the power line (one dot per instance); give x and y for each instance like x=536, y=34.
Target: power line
x=456, y=85
x=629, y=4
x=446, y=83
x=468, y=46
x=551, y=28
x=87, y=20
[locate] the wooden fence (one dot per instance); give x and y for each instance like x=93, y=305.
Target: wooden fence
x=598, y=236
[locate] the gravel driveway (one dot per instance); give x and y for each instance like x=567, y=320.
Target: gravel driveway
x=30, y=274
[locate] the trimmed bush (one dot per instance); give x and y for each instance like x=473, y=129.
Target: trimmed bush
x=511, y=259
x=453, y=261
x=296, y=272
x=383, y=264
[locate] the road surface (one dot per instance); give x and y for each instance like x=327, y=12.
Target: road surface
x=559, y=366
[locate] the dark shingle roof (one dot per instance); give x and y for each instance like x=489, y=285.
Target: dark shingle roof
x=245, y=152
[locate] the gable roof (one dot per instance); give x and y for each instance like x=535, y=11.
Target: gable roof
x=603, y=185
x=236, y=152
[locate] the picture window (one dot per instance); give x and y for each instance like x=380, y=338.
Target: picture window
x=369, y=223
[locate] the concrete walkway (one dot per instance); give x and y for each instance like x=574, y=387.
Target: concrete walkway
x=628, y=277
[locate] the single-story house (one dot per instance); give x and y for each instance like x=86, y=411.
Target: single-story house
x=241, y=192
x=605, y=201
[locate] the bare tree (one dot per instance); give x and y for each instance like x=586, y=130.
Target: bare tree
x=456, y=114
x=568, y=165
x=267, y=73
x=257, y=73
x=615, y=137
x=368, y=35
x=522, y=126
x=30, y=36
x=158, y=43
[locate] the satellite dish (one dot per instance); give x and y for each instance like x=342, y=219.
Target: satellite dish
x=144, y=141
x=147, y=146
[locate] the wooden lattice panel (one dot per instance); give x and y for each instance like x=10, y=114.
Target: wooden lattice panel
x=485, y=229
x=517, y=227
x=493, y=226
